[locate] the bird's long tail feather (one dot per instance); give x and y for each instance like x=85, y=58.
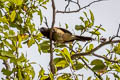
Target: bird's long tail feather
x=83, y=38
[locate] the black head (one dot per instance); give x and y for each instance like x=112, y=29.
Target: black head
x=45, y=31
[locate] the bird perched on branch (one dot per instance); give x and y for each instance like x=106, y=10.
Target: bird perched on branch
x=62, y=35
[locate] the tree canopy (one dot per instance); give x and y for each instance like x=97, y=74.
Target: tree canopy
x=17, y=28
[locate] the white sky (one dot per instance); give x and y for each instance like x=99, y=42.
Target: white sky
x=106, y=13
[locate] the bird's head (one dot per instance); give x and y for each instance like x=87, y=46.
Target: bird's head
x=45, y=31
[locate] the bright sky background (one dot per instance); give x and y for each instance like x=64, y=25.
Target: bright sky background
x=106, y=13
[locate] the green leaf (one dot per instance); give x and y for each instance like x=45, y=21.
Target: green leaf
x=97, y=62
x=116, y=76
x=28, y=71
x=45, y=2
x=6, y=72
x=22, y=58
x=19, y=74
x=38, y=37
x=86, y=23
x=107, y=78
x=117, y=49
x=7, y=54
x=67, y=56
x=66, y=76
x=85, y=58
x=41, y=74
x=66, y=25
x=41, y=0
x=31, y=42
x=98, y=68
x=39, y=48
x=45, y=46
x=4, y=20
x=98, y=65
x=5, y=42
x=79, y=27
x=6, y=27
x=57, y=50
x=19, y=41
x=92, y=16
x=116, y=67
x=17, y=2
x=0, y=13
x=89, y=78
x=95, y=32
x=11, y=32
x=32, y=27
x=90, y=25
x=91, y=46
x=60, y=45
x=61, y=63
x=12, y=16
x=41, y=17
x=82, y=19
x=99, y=27
x=85, y=14
x=51, y=76
x=78, y=65
x=3, y=58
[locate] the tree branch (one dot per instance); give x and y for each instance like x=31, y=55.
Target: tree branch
x=52, y=66
x=79, y=8
x=46, y=23
x=95, y=49
x=91, y=69
x=105, y=58
x=118, y=30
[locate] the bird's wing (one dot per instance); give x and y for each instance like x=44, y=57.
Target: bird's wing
x=63, y=35
x=58, y=31
x=64, y=30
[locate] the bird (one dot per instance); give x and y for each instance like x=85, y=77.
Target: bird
x=61, y=35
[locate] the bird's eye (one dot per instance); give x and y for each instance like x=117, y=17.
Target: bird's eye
x=42, y=29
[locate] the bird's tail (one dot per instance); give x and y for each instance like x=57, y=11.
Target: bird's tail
x=83, y=38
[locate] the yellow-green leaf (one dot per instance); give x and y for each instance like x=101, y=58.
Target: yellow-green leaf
x=19, y=74
x=117, y=49
x=31, y=42
x=12, y=16
x=61, y=63
x=6, y=72
x=8, y=54
x=41, y=17
x=67, y=56
x=79, y=27
x=92, y=16
x=17, y=2
x=91, y=46
x=78, y=65
x=4, y=20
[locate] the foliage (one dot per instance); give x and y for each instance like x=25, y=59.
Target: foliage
x=17, y=29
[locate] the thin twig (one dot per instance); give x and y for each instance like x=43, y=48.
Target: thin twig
x=95, y=49
x=67, y=4
x=91, y=69
x=74, y=11
x=105, y=58
x=46, y=23
x=118, y=30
